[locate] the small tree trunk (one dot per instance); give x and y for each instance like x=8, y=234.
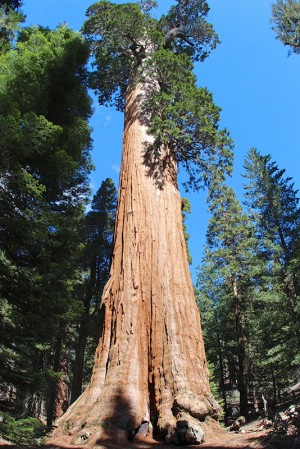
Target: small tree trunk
x=243, y=371
x=62, y=391
x=274, y=385
x=76, y=388
x=53, y=383
x=150, y=362
x=222, y=374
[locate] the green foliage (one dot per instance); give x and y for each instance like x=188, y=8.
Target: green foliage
x=259, y=252
x=186, y=209
x=116, y=32
x=123, y=35
x=227, y=281
x=286, y=23
x=9, y=25
x=215, y=391
x=11, y=4
x=274, y=207
x=44, y=167
x=230, y=235
x=99, y=227
x=131, y=47
x=29, y=431
x=185, y=119
x=147, y=5
x=187, y=30
x=273, y=201
x=100, y=222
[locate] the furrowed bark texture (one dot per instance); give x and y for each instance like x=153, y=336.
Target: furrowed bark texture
x=150, y=361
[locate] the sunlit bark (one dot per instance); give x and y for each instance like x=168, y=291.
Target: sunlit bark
x=150, y=362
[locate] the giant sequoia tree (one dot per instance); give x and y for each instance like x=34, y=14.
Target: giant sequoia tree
x=150, y=367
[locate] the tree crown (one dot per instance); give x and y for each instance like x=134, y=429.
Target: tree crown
x=129, y=47
x=286, y=23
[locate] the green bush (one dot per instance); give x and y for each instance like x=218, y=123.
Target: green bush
x=29, y=431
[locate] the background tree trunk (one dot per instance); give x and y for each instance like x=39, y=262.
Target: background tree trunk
x=222, y=373
x=62, y=390
x=150, y=362
x=76, y=388
x=242, y=359
x=52, y=387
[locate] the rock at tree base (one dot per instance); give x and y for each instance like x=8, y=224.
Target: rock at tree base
x=188, y=431
x=144, y=431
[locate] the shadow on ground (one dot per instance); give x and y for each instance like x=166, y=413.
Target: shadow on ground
x=227, y=441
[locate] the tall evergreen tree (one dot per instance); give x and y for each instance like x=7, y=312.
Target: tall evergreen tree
x=100, y=228
x=44, y=163
x=274, y=206
x=231, y=251
x=217, y=317
x=150, y=362
x=274, y=203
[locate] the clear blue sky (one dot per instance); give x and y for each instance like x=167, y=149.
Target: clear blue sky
x=250, y=75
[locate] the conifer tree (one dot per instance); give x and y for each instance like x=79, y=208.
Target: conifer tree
x=44, y=163
x=231, y=250
x=100, y=222
x=274, y=206
x=217, y=317
x=150, y=368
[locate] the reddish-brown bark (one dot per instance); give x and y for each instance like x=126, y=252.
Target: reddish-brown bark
x=62, y=391
x=150, y=362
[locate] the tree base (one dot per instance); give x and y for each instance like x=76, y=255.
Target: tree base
x=186, y=430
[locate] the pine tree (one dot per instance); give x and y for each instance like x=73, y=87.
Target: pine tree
x=273, y=202
x=274, y=206
x=150, y=364
x=217, y=318
x=231, y=254
x=100, y=227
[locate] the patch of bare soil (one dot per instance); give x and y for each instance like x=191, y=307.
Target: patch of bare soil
x=253, y=440
x=225, y=440
x=249, y=439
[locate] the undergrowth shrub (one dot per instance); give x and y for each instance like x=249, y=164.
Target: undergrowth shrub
x=29, y=431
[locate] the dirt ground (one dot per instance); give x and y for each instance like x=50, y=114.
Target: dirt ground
x=226, y=440
x=255, y=440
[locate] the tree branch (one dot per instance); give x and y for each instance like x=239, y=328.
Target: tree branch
x=177, y=33
x=182, y=5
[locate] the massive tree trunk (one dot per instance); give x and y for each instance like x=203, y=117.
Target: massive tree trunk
x=150, y=369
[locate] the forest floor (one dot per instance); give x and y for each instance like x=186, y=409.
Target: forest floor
x=225, y=440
